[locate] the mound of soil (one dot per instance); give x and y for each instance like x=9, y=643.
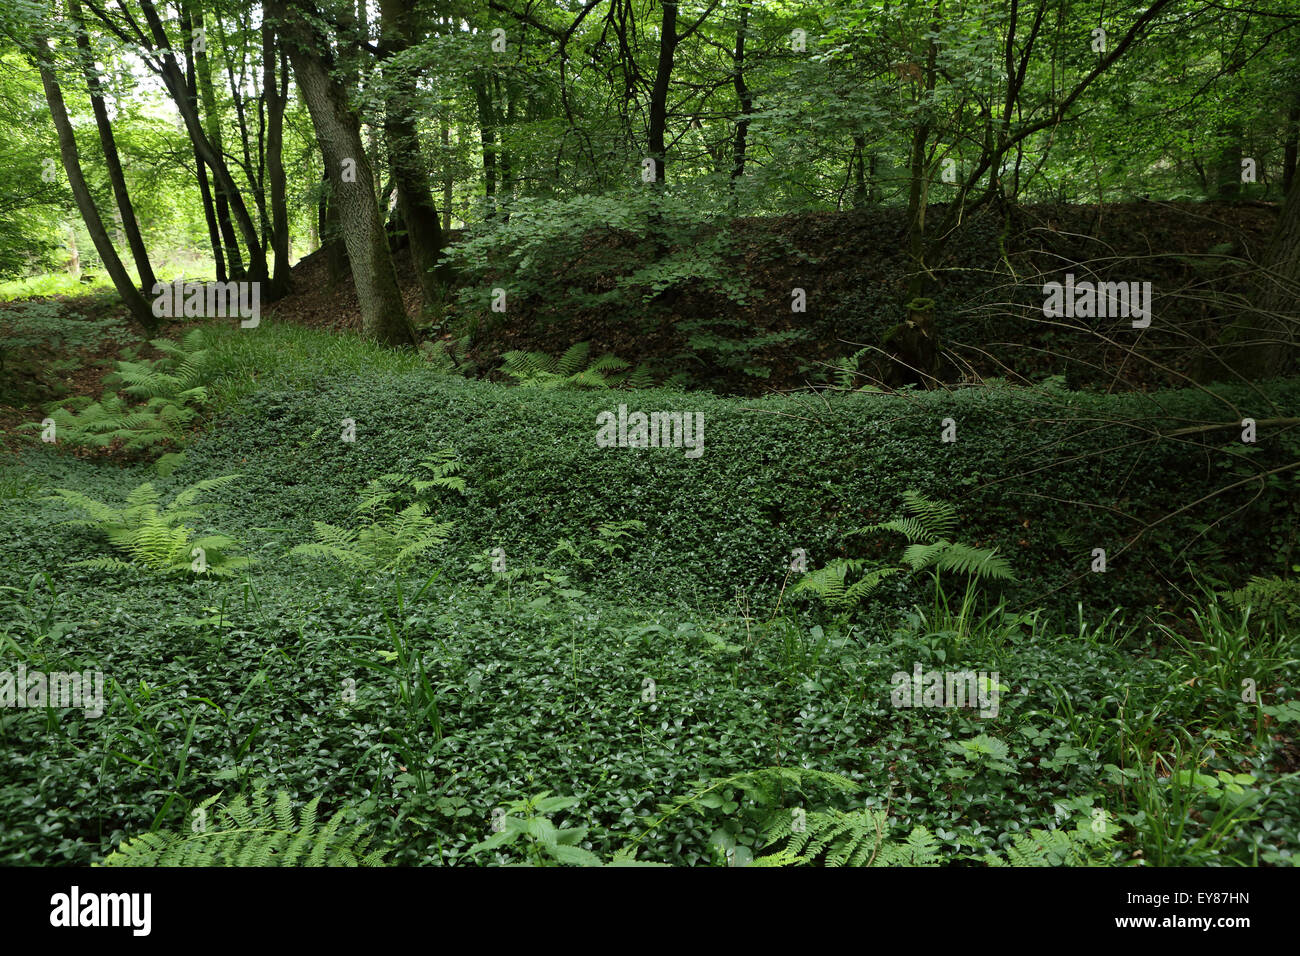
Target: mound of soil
x=855, y=271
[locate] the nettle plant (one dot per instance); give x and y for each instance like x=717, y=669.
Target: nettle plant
x=156, y=536
x=525, y=829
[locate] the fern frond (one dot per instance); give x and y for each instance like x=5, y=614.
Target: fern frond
x=152, y=536
x=938, y=517
x=573, y=359
x=257, y=833
x=910, y=528
x=980, y=563
x=191, y=494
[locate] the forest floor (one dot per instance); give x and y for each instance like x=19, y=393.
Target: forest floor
x=647, y=644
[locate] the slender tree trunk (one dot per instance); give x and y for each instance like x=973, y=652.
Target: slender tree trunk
x=130, y=227
x=135, y=302
x=276, y=98
x=743, y=96
x=210, y=216
x=918, y=193
x=74, y=255
x=414, y=197
x=446, y=177
x=1291, y=151
x=331, y=233
x=487, y=131
x=198, y=86
x=176, y=85
x=1227, y=168
x=507, y=160
x=859, y=172
x=668, y=40
x=383, y=316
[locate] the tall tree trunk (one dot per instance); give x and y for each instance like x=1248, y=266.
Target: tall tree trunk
x=507, y=160
x=918, y=193
x=255, y=173
x=668, y=40
x=276, y=98
x=331, y=232
x=176, y=85
x=130, y=227
x=1291, y=150
x=199, y=89
x=446, y=177
x=487, y=131
x=210, y=216
x=743, y=96
x=74, y=255
x=383, y=317
x=414, y=197
x=859, y=172
x=135, y=302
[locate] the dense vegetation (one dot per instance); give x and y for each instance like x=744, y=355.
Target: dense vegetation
x=370, y=568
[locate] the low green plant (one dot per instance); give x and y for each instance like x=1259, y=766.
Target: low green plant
x=386, y=538
x=149, y=405
x=449, y=356
x=537, y=580
x=34, y=615
x=610, y=541
x=843, y=584
x=1270, y=595
x=863, y=837
x=574, y=369
x=750, y=804
x=261, y=831
x=383, y=541
x=929, y=527
x=154, y=535
x=1183, y=816
x=17, y=485
x=442, y=472
x=1226, y=647
x=845, y=371
x=525, y=827
x=1091, y=842
x=734, y=353
x=403, y=664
